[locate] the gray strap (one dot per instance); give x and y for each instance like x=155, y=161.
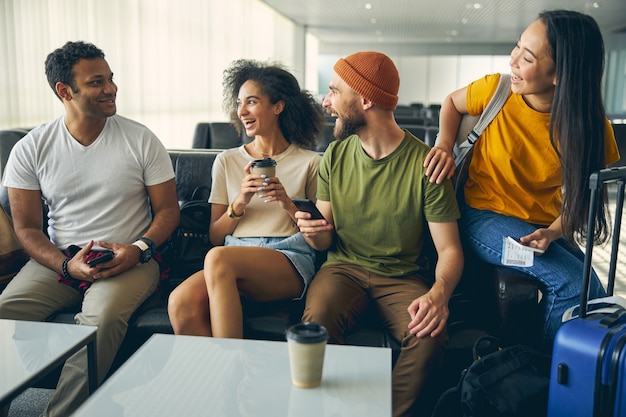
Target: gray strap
x=492, y=109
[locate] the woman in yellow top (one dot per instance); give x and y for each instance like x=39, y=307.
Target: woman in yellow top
x=528, y=177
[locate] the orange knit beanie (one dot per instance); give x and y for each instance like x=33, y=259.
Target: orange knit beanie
x=372, y=75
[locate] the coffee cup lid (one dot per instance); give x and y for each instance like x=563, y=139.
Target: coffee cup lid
x=309, y=332
x=265, y=162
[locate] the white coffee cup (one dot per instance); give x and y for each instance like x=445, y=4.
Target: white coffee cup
x=306, y=343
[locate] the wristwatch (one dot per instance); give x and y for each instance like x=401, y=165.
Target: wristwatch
x=232, y=214
x=147, y=249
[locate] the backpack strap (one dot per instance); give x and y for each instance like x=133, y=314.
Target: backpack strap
x=492, y=109
x=498, y=99
x=195, y=195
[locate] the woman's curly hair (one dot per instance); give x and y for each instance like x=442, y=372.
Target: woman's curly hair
x=302, y=118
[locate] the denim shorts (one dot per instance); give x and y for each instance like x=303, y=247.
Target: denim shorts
x=294, y=247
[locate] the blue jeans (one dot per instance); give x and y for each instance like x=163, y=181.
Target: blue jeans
x=559, y=270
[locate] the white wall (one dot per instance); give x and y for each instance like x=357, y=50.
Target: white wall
x=168, y=58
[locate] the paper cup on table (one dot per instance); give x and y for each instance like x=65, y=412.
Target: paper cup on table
x=306, y=343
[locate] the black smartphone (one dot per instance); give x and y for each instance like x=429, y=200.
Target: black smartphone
x=304, y=204
x=105, y=256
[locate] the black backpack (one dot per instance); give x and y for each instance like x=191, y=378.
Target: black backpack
x=511, y=381
x=190, y=241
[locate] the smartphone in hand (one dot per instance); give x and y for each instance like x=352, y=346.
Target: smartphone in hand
x=105, y=256
x=304, y=204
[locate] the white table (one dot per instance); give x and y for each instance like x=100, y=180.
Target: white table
x=200, y=376
x=31, y=350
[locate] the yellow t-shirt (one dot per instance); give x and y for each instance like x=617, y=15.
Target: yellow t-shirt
x=515, y=171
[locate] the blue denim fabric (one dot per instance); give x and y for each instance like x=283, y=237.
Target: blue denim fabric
x=294, y=247
x=559, y=270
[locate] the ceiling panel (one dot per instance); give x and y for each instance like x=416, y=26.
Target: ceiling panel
x=434, y=21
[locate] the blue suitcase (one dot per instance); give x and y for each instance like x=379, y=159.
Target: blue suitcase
x=588, y=372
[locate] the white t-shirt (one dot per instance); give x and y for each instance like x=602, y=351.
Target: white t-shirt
x=296, y=168
x=95, y=192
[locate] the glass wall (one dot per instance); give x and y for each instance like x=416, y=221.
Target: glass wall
x=615, y=77
x=167, y=56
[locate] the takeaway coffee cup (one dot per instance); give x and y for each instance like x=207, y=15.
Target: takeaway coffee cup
x=265, y=166
x=306, y=343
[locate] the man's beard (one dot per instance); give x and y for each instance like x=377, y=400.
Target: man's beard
x=349, y=125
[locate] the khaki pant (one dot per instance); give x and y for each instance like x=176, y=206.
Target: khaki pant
x=34, y=294
x=337, y=297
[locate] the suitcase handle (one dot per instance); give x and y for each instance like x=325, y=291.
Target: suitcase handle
x=597, y=180
x=613, y=319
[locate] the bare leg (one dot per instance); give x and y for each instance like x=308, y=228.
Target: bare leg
x=188, y=307
x=260, y=274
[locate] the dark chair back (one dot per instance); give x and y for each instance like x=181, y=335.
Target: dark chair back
x=325, y=136
x=8, y=138
x=202, y=136
x=193, y=169
x=417, y=130
x=224, y=135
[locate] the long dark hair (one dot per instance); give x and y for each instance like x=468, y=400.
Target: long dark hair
x=302, y=117
x=578, y=119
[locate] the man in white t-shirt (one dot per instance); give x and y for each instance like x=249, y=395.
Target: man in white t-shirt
x=108, y=184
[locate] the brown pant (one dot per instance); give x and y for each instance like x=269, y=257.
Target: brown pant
x=338, y=296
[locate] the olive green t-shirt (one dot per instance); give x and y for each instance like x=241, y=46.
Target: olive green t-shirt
x=380, y=206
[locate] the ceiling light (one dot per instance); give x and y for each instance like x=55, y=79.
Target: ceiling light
x=373, y=20
x=368, y=6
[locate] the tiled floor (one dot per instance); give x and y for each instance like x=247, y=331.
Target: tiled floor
x=601, y=254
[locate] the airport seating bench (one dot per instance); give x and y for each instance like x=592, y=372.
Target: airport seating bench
x=489, y=299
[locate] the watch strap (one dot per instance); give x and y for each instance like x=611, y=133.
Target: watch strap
x=149, y=242
x=143, y=246
x=147, y=249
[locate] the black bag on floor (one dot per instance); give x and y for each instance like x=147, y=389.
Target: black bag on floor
x=511, y=381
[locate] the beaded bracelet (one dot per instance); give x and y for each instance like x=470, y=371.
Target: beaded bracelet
x=64, y=270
